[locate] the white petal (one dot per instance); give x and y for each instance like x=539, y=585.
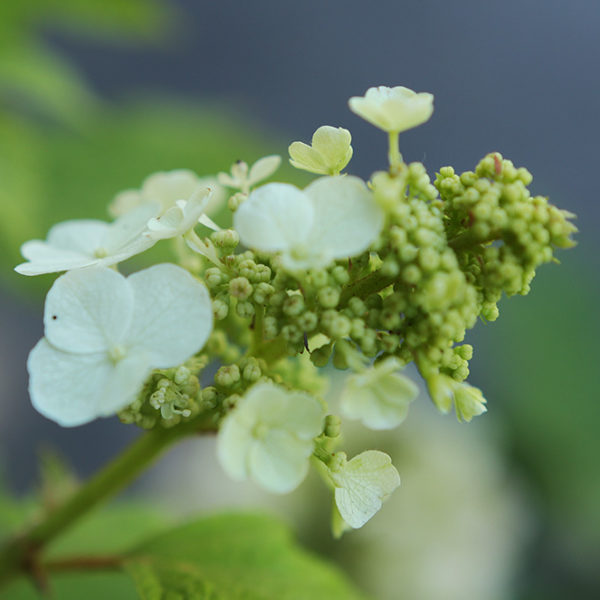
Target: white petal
x=279, y=462
x=83, y=235
x=208, y=222
x=362, y=485
x=379, y=401
x=302, y=156
x=128, y=229
x=263, y=168
x=88, y=310
x=166, y=187
x=48, y=259
x=233, y=446
x=347, y=219
x=173, y=314
x=275, y=217
x=73, y=389
x=297, y=412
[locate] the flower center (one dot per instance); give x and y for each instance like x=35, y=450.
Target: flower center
x=100, y=252
x=116, y=353
x=259, y=431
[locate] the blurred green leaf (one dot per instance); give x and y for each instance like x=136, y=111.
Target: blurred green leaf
x=37, y=80
x=546, y=378
x=233, y=557
x=140, y=18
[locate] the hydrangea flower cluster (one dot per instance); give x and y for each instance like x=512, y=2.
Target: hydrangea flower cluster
x=368, y=276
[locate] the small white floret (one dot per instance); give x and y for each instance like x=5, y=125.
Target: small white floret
x=84, y=243
x=333, y=218
x=329, y=153
x=393, y=109
x=268, y=437
x=379, y=396
x=104, y=334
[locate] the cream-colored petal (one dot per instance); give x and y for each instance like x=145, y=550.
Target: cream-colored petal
x=263, y=168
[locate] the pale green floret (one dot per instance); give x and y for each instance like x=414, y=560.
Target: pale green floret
x=329, y=154
x=269, y=435
x=362, y=484
x=379, y=397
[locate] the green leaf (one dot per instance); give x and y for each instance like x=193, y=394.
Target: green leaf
x=233, y=557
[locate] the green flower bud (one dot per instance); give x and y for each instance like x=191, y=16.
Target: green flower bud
x=220, y=309
x=293, y=305
x=240, y=288
x=333, y=426
x=328, y=297
x=245, y=309
x=226, y=238
x=227, y=375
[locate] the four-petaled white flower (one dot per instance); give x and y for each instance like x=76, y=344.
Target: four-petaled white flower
x=243, y=178
x=393, y=109
x=329, y=153
x=268, y=437
x=362, y=484
x=165, y=188
x=104, y=334
x=85, y=243
x=378, y=396
x=333, y=218
x=468, y=400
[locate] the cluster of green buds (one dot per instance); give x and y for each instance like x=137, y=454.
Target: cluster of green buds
x=365, y=276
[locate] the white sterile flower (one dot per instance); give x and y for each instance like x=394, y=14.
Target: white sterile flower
x=182, y=217
x=468, y=400
x=268, y=437
x=329, y=154
x=243, y=178
x=85, y=243
x=104, y=334
x=165, y=188
x=362, y=484
x=378, y=396
x=333, y=218
x=393, y=109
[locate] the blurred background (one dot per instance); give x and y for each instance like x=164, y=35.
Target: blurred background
x=96, y=95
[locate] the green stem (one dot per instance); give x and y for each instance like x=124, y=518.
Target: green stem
x=394, y=155
x=21, y=553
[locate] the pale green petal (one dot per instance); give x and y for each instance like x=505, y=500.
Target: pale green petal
x=67, y=388
x=88, y=310
x=234, y=442
x=333, y=144
x=173, y=315
x=378, y=397
x=468, y=402
x=362, y=484
x=347, y=219
x=306, y=158
x=263, y=168
x=276, y=216
x=279, y=462
x=393, y=109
